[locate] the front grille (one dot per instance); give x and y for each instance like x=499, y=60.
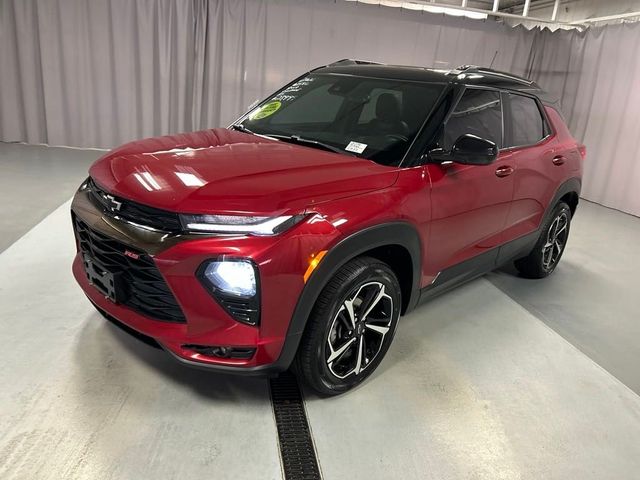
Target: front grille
x=133, y=211
x=145, y=290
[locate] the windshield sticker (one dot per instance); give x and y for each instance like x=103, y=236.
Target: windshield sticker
x=266, y=110
x=290, y=92
x=356, y=147
x=285, y=98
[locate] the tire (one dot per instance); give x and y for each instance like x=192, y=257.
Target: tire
x=341, y=328
x=546, y=254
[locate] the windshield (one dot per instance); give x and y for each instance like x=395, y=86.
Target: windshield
x=371, y=118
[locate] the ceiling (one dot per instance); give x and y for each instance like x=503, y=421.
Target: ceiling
x=488, y=4
x=568, y=11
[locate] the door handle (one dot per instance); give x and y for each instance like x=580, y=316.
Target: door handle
x=558, y=160
x=504, y=171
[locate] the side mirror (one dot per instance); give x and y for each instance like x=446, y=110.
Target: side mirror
x=468, y=149
x=472, y=150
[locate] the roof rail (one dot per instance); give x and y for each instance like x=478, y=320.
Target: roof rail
x=497, y=73
x=350, y=61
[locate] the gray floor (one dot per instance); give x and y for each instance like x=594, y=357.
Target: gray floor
x=33, y=181
x=501, y=378
x=593, y=301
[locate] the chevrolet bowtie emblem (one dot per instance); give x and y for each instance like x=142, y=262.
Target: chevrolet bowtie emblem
x=114, y=205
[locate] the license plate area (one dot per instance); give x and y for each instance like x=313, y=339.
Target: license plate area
x=108, y=283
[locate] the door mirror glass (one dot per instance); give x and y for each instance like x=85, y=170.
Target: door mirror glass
x=470, y=149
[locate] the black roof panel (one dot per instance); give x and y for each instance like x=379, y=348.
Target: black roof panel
x=387, y=71
x=464, y=75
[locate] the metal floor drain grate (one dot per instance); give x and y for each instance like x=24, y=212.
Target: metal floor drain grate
x=298, y=455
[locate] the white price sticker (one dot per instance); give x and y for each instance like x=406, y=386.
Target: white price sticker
x=356, y=147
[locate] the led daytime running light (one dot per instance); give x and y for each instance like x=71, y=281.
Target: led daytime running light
x=238, y=224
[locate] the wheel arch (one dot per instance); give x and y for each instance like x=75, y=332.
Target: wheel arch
x=568, y=192
x=399, y=259
x=571, y=199
x=384, y=242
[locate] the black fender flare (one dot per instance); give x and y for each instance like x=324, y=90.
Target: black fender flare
x=573, y=185
x=399, y=233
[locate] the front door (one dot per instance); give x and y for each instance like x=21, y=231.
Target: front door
x=469, y=203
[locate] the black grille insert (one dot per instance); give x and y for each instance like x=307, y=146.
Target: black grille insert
x=133, y=211
x=243, y=310
x=145, y=289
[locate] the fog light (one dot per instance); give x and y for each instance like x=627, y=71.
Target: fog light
x=239, y=353
x=236, y=277
x=235, y=284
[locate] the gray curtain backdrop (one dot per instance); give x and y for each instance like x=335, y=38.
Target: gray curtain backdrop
x=97, y=73
x=605, y=115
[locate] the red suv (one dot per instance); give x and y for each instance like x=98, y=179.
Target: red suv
x=303, y=231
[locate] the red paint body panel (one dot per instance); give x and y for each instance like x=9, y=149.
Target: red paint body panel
x=281, y=260
x=470, y=205
x=459, y=212
x=233, y=172
x=537, y=177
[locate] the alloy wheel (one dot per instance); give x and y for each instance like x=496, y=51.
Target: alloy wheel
x=358, y=330
x=556, y=241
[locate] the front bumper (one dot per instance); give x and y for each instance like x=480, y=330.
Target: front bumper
x=281, y=262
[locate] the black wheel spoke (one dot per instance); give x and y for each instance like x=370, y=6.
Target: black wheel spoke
x=344, y=318
x=556, y=239
x=368, y=300
x=355, y=338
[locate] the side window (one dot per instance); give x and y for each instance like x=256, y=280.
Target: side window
x=317, y=106
x=527, y=125
x=479, y=112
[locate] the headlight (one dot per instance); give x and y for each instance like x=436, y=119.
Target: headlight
x=250, y=225
x=84, y=185
x=234, y=283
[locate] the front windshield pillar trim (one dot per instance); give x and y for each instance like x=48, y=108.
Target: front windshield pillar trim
x=417, y=148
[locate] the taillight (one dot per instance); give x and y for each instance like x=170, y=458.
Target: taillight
x=583, y=151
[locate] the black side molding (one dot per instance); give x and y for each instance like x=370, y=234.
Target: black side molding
x=479, y=265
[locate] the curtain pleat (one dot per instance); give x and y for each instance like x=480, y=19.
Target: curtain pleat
x=97, y=73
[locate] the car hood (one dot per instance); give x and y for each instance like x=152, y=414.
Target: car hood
x=222, y=171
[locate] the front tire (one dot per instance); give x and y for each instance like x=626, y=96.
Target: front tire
x=545, y=256
x=351, y=327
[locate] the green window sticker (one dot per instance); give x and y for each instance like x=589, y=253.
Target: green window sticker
x=266, y=110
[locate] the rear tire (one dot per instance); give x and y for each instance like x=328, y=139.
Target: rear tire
x=350, y=328
x=546, y=254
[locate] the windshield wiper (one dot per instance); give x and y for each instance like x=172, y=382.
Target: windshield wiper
x=293, y=139
x=241, y=128
x=306, y=141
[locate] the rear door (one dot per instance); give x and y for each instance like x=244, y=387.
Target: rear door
x=469, y=202
x=540, y=162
